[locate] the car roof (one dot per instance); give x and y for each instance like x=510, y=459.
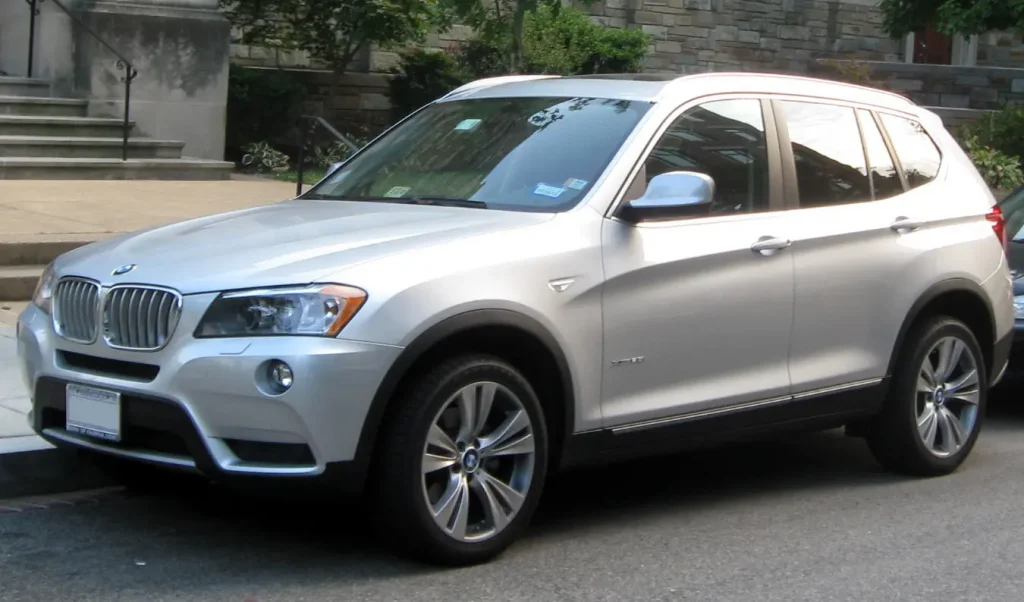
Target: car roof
x=656, y=87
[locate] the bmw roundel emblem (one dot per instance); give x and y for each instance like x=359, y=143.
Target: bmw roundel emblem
x=121, y=271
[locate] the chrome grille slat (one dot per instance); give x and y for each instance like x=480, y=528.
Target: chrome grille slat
x=75, y=310
x=140, y=318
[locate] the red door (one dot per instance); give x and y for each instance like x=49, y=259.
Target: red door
x=932, y=47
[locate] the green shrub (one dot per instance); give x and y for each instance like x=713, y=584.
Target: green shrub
x=263, y=105
x=1000, y=170
x=1002, y=131
x=562, y=41
x=422, y=77
x=263, y=158
x=565, y=41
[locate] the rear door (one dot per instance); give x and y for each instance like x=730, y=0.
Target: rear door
x=862, y=220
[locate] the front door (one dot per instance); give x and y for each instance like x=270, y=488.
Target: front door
x=694, y=318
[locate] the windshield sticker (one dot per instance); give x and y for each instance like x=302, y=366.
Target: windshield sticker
x=467, y=124
x=397, y=192
x=551, y=191
x=575, y=184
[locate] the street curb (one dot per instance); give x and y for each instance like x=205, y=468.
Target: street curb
x=48, y=470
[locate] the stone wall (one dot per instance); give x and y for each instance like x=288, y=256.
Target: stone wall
x=983, y=88
x=768, y=35
x=1001, y=49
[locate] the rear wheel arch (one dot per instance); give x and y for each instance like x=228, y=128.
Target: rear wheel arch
x=510, y=335
x=958, y=298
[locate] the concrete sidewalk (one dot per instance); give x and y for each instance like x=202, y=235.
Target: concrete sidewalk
x=43, y=211
x=79, y=212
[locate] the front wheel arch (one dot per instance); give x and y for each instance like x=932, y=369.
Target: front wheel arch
x=560, y=412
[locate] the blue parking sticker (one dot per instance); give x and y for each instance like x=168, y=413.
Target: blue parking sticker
x=576, y=184
x=549, y=191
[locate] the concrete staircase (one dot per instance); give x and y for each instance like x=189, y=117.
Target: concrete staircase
x=44, y=138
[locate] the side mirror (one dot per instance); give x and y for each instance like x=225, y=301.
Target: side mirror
x=672, y=195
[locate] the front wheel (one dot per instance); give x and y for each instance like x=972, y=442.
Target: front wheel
x=936, y=403
x=463, y=461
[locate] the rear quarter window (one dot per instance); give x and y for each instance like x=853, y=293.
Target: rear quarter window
x=915, y=150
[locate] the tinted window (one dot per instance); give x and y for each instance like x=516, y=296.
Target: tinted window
x=725, y=140
x=830, y=165
x=527, y=154
x=883, y=171
x=1013, y=213
x=917, y=153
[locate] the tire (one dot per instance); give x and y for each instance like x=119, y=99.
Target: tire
x=894, y=437
x=407, y=493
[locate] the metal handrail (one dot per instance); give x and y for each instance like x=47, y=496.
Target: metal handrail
x=123, y=64
x=304, y=131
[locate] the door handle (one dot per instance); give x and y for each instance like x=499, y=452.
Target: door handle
x=905, y=224
x=768, y=245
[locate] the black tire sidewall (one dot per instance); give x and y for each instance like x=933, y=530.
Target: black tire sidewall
x=906, y=390
x=424, y=402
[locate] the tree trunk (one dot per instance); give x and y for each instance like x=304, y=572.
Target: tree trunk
x=518, y=27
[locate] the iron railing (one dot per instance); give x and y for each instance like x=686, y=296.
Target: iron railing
x=122, y=63
x=307, y=125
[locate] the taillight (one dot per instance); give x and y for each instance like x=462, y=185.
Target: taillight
x=995, y=217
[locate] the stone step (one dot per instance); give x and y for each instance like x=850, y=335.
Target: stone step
x=39, y=252
x=35, y=125
x=42, y=106
x=17, y=283
x=23, y=86
x=88, y=148
x=46, y=168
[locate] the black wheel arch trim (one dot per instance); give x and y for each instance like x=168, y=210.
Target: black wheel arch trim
x=437, y=333
x=934, y=292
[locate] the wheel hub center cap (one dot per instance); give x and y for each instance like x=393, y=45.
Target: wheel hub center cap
x=471, y=460
x=939, y=396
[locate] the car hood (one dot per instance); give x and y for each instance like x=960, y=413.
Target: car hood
x=293, y=242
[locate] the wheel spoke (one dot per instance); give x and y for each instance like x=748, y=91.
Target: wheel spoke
x=506, y=439
x=501, y=502
x=440, y=441
x=927, y=375
x=927, y=425
x=452, y=510
x=969, y=396
x=949, y=355
x=952, y=431
x=474, y=408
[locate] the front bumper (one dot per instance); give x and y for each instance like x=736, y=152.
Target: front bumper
x=197, y=405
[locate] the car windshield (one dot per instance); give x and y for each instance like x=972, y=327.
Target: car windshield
x=524, y=154
x=1013, y=212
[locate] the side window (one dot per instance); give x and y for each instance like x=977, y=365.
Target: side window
x=914, y=148
x=829, y=156
x=883, y=171
x=724, y=139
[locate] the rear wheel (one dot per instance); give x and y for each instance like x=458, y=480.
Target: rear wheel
x=463, y=461
x=936, y=404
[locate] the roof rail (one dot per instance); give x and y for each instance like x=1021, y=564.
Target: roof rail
x=494, y=81
x=836, y=82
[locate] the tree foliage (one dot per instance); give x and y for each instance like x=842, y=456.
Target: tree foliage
x=952, y=17
x=332, y=32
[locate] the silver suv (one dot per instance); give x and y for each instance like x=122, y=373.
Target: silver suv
x=535, y=273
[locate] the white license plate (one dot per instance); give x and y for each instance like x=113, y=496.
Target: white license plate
x=94, y=412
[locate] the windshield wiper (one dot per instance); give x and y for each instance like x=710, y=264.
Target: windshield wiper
x=413, y=200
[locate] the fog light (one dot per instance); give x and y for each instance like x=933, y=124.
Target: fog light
x=281, y=375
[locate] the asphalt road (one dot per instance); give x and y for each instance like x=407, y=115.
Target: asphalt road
x=813, y=518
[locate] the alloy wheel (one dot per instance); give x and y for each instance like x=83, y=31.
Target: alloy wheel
x=478, y=461
x=948, y=395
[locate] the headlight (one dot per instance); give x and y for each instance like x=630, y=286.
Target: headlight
x=319, y=310
x=1018, y=307
x=43, y=295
